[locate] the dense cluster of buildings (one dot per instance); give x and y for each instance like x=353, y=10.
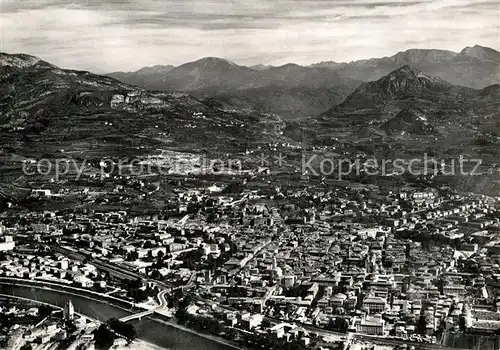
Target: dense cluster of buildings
x=31, y=325
x=286, y=263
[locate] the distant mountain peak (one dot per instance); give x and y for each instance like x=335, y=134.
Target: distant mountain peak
x=290, y=65
x=404, y=75
x=478, y=47
x=405, y=70
x=157, y=66
x=156, y=69
x=492, y=90
x=409, y=74
x=208, y=72
x=481, y=53
x=214, y=61
x=261, y=67
x=398, y=84
x=418, y=56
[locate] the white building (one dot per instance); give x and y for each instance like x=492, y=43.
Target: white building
x=7, y=243
x=69, y=311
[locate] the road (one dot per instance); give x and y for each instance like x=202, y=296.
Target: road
x=160, y=308
x=162, y=285
x=322, y=331
x=114, y=270
x=156, y=330
x=163, y=301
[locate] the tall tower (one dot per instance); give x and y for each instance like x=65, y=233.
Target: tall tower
x=69, y=311
x=467, y=315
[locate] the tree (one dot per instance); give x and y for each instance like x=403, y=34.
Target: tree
x=421, y=325
x=139, y=295
x=45, y=310
x=132, y=256
x=181, y=316
x=341, y=324
x=186, y=301
x=155, y=274
x=266, y=323
x=104, y=338
x=148, y=245
x=70, y=327
x=134, y=284
x=125, y=329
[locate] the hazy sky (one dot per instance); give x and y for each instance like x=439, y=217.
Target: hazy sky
x=106, y=35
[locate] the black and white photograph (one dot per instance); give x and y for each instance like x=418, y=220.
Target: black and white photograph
x=259, y=174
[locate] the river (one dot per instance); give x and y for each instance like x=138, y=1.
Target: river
x=148, y=329
x=470, y=341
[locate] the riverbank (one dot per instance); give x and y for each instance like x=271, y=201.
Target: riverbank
x=161, y=333
x=461, y=341
x=140, y=345
x=204, y=335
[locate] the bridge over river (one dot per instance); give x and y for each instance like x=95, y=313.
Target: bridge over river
x=151, y=328
x=161, y=309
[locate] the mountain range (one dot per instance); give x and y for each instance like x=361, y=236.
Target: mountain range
x=475, y=67
x=297, y=91
x=46, y=111
x=49, y=112
x=409, y=107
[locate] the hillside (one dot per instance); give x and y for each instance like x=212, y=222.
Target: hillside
x=142, y=76
x=397, y=85
x=48, y=111
x=288, y=102
x=407, y=112
x=409, y=122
